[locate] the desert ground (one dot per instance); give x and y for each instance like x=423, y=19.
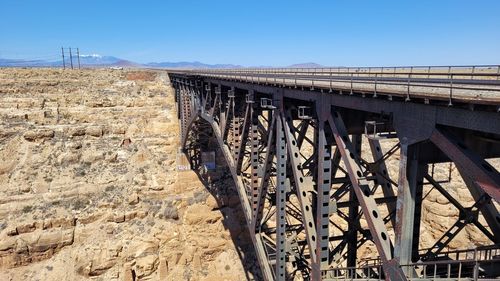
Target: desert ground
x=89, y=187
x=90, y=190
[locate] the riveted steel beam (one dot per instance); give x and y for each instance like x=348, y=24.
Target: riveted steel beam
x=484, y=175
x=381, y=169
x=241, y=140
x=464, y=218
x=281, y=158
x=265, y=171
x=303, y=185
x=489, y=211
x=323, y=184
x=254, y=157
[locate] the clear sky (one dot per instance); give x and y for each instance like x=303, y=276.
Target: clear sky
x=252, y=33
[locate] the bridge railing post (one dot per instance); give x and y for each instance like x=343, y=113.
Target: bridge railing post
x=408, y=88
x=331, y=80
x=351, y=81
x=451, y=90
x=295, y=77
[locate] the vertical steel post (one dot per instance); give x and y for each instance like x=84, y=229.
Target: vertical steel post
x=236, y=139
x=411, y=174
x=281, y=160
x=323, y=183
x=254, y=155
x=405, y=205
x=352, y=239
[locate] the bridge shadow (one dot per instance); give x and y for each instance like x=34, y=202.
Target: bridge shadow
x=219, y=183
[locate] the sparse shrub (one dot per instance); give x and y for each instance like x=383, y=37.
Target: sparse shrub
x=27, y=209
x=198, y=197
x=187, y=274
x=81, y=170
x=153, y=206
x=170, y=211
x=80, y=203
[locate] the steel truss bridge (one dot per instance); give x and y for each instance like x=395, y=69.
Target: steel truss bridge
x=305, y=150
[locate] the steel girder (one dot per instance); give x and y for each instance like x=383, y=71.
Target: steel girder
x=293, y=173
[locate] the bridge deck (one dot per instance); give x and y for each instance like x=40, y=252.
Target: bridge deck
x=475, y=85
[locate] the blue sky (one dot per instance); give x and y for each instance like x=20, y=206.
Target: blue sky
x=250, y=33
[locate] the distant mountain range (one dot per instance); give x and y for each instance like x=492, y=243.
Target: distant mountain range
x=186, y=64
x=95, y=60
x=306, y=65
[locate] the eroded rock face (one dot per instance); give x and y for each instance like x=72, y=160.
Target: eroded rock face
x=89, y=187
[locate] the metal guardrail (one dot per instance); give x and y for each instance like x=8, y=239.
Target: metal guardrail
x=463, y=81
x=481, y=263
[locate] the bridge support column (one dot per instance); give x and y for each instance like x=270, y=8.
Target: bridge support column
x=353, y=223
x=254, y=156
x=410, y=182
x=281, y=159
x=323, y=184
x=265, y=169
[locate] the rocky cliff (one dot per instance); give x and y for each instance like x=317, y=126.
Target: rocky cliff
x=89, y=187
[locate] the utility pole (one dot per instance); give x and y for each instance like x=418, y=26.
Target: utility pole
x=70, y=57
x=64, y=63
x=78, y=52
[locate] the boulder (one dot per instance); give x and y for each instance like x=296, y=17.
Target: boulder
x=146, y=265
x=211, y=202
x=133, y=199
x=199, y=214
x=95, y=131
x=76, y=131
x=34, y=135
